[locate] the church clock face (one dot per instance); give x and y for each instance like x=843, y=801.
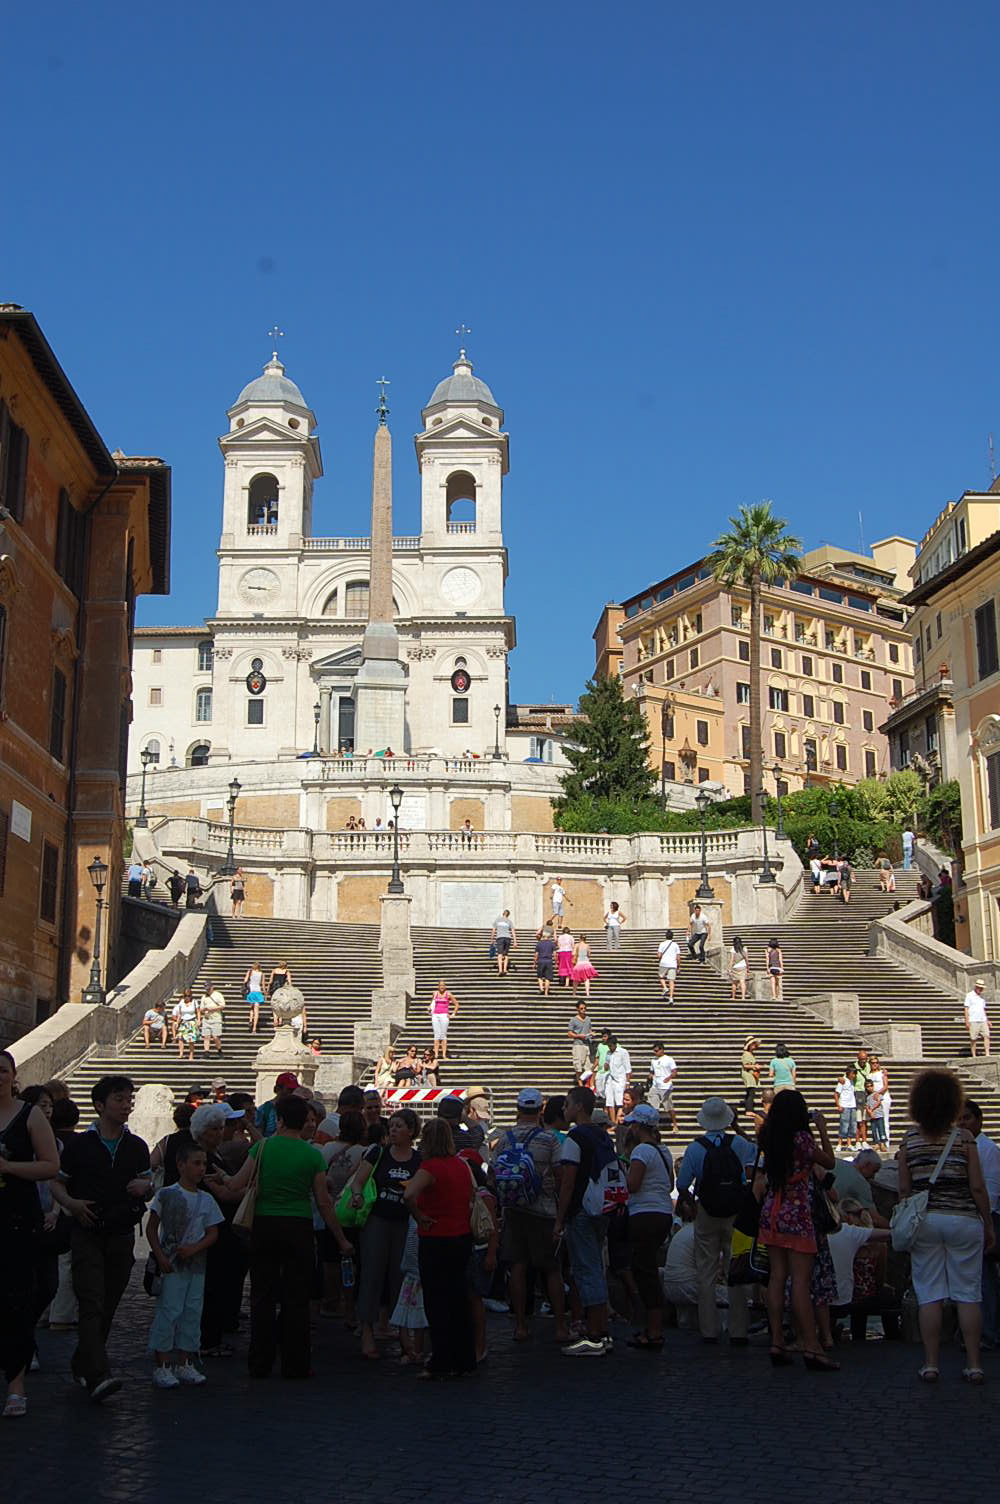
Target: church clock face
x=258, y=585
x=461, y=586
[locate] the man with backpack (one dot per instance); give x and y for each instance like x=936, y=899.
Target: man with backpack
x=714, y=1167
x=524, y=1161
x=591, y=1187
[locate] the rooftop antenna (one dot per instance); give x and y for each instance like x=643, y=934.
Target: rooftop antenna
x=861, y=533
x=993, y=462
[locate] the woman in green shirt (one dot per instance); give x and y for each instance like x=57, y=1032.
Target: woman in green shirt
x=291, y=1174
x=782, y=1068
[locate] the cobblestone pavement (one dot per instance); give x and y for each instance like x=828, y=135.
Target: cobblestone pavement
x=532, y=1425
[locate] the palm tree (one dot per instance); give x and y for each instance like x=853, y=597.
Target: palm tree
x=756, y=551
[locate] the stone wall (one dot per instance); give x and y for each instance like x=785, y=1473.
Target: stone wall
x=529, y=813
x=339, y=811
x=273, y=811
x=460, y=810
x=358, y=900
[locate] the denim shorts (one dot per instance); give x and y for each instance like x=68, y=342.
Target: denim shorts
x=848, y=1122
x=585, y=1239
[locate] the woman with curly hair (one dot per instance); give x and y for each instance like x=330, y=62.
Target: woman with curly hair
x=786, y=1220
x=946, y=1260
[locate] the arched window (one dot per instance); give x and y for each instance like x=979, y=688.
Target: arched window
x=356, y=600
x=203, y=705
x=262, y=505
x=330, y=604
x=206, y=657
x=460, y=502
x=198, y=755
x=153, y=748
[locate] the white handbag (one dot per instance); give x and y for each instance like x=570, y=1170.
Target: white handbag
x=908, y=1217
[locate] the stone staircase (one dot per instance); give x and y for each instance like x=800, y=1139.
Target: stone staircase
x=506, y=1036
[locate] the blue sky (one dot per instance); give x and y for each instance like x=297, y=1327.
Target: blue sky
x=708, y=255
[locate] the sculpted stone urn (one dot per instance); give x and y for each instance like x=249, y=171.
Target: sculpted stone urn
x=284, y=1052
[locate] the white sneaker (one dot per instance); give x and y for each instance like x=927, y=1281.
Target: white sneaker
x=165, y=1378
x=188, y=1374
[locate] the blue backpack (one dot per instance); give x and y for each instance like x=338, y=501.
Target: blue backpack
x=517, y=1179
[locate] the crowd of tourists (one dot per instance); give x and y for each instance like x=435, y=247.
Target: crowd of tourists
x=410, y=1231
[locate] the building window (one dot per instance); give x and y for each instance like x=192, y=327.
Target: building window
x=745, y=741
x=931, y=732
x=13, y=464
x=153, y=748
x=938, y=622
x=986, y=640
x=50, y=882
x=838, y=711
x=157, y=655
x=841, y=754
x=768, y=625
x=330, y=604
x=670, y=771
x=742, y=694
x=904, y=749
x=993, y=789
x=810, y=751
x=744, y=651
x=869, y=763
x=702, y=775
x=777, y=699
x=255, y=711
x=460, y=711
x=897, y=689
x=460, y=502
x=893, y=652
x=356, y=600
x=205, y=657
x=917, y=654
x=203, y=705
x=917, y=643
x=668, y=671
x=698, y=623
x=808, y=706
x=775, y=657
x=198, y=755
x=868, y=720
x=829, y=639
x=156, y=696
x=71, y=545
x=780, y=745
x=701, y=732
x=807, y=666
x=262, y=502
x=693, y=657
x=837, y=673
x=57, y=719
x=866, y=679
x=736, y=616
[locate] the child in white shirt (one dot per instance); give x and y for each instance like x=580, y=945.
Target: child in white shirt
x=183, y=1224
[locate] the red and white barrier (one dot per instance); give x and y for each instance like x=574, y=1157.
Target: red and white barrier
x=403, y=1094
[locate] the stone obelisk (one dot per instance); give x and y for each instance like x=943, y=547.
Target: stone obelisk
x=380, y=687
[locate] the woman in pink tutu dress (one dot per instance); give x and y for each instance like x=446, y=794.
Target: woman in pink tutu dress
x=565, y=953
x=583, y=967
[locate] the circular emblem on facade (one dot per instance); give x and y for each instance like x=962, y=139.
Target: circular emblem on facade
x=461, y=681
x=461, y=586
x=258, y=585
x=256, y=682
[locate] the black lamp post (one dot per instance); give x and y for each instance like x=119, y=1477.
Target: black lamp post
x=145, y=757
x=780, y=832
x=396, y=799
x=702, y=800
x=229, y=867
x=766, y=873
x=834, y=808
x=497, y=754
x=94, y=992
x=316, y=713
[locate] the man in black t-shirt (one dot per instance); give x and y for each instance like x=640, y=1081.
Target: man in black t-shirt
x=104, y=1184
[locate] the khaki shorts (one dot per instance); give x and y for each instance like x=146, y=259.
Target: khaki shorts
x=979, y=1029
x=211, y=1027
x=581, y=1055
x=527, y=1239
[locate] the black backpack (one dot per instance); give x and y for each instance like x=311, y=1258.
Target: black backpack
x=722, y=1182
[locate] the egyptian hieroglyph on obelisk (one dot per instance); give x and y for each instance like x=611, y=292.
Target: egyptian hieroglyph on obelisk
x=380, y=689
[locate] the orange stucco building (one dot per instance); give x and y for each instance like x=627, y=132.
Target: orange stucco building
x=82, y=533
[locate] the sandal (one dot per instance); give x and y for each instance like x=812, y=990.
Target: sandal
x=971, y=1376
x=645, y=1342
x=780, y=1357
x=928, y=1374
x=820, y=1363
x=16, y=1406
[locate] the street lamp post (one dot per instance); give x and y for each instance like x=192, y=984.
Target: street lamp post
x=780, y=832
x=229, y=866
x=497, y=754
x=766, y=872
x=316, y=714
x=396, y=799
x=94, y=992
x=702, y=800
x=834, y=808
x=145, y=757
x=666, y=728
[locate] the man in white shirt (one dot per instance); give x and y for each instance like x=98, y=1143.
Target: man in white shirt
x=668, y=953
x=559, y=901
x=989, y=1158
x=662, y=1070
x=976, y=1021
x=619, y=1068
x=699, y=932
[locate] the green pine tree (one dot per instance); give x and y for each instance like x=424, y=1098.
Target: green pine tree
x=609, y=752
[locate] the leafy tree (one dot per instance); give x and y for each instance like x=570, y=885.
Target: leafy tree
x=895, y=799
x=609, y=752
x=940, y=814
x=755, y=552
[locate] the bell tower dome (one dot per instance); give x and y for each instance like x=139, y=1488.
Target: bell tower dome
x=463, y=457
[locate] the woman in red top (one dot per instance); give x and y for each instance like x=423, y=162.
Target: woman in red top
x=440, y=1197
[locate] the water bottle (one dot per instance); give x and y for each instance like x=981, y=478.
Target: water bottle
x=347, y=1272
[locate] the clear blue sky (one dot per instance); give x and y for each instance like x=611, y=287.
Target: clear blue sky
x=708, y=254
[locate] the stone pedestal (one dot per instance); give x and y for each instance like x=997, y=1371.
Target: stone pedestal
x=841, y=1010
x=759, y=987
x=896, y=1041
x=712, y=910
x=371, y=1040
x=380, y=696
x=398, y=976
x=333, y=1073
x=282, y=1053
x=985, y=1069
x=769, y=903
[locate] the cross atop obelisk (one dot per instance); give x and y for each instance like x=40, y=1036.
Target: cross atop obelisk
x=380, y=583
x=383, y=406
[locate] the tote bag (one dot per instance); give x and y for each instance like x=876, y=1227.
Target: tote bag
x=244, y=1214
x=357, y=1216
x=908, y=1217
